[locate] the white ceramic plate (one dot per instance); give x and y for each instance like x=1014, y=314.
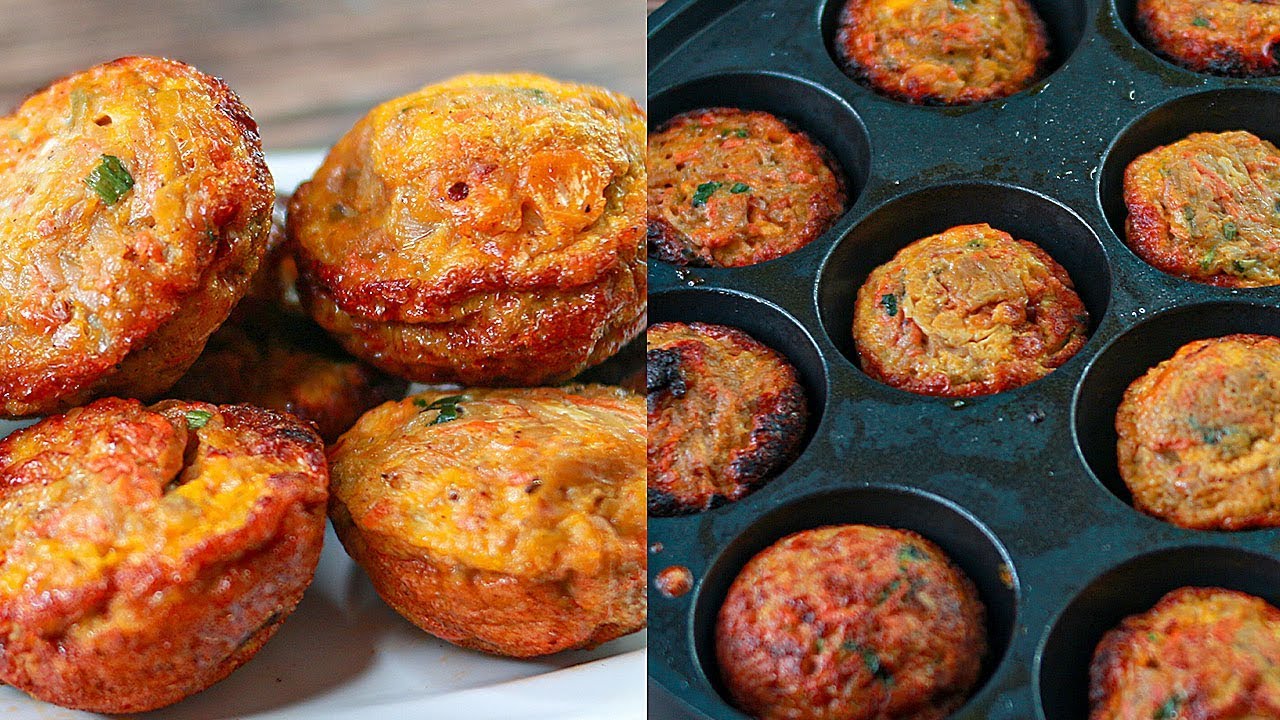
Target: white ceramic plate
x=345, y=654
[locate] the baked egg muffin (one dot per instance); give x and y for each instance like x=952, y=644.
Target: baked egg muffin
x=725, y=414
x=136, y=205
x=1206, y=653
x=969, y=311
x=943, y=52
x=1223, y=37
x=1207, y=208
x=507, y=521
x=1199, y=435
x=486, y=230
x=851, y=622
x=150, y=551
x=731, y=187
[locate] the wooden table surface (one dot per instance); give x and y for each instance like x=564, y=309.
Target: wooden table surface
x=309, y=69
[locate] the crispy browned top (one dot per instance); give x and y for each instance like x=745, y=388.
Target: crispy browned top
x=1200, y=435
x=731, y=187
x=1224, y=37
x=83, y=281
x=970, y=311
x=725, y=413
x=478, y=184
x=537, y=483
x=103, y=506
x=1204, y=653
x=1207, y=208
x=943, y=51
x=851, y=622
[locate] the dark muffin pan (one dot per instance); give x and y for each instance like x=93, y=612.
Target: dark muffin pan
x=1021, y=487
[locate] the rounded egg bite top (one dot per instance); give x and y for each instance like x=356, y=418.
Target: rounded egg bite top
x=148, y=552
x=504, y=184
x=134, y=206
x=407, y=471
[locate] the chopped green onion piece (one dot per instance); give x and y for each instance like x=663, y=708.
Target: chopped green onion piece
x=1199, y=21
x=1207, y=261
x=1229, y=230
x=196, y=419
x=910, y=552
x=1169, y=710
x=739, y=188
x=705, y=191
x=890, y=304
x=79, y=103
x=741, y=132
x=110, y=180
x=447, y=407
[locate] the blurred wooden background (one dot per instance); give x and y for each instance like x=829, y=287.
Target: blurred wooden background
x=308, y=69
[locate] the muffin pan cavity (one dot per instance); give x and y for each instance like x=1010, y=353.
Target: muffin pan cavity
x=964, y=538
x=1128, y=357
x=825, y=117
x=1062, y=662
x=1024, y=214
x=1065, y=22
x=1254, y=110
x=763, y=321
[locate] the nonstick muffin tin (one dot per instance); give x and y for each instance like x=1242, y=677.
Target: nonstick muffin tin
x=1020, y=488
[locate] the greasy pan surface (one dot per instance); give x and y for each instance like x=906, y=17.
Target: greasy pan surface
x=1021, y=487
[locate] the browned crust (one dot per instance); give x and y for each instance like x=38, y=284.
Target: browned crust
x=1190, y=656
x=682, y=377
x=157, y=329
x=931, y=80
x=156, y=632
x=792, y=151
x=461, y=604
x=1222, y=37
x=518, y=340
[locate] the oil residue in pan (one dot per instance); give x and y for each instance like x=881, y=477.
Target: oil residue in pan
x=1021, y=487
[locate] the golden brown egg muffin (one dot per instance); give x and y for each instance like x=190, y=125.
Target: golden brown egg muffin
x=851, y=622
x=1199, y=435
x=269, y=354
x=1204, y=653
x=486, y=230
x=726, y=413
x=970, y=311
x=1223, y=37
x=1207, y=208
x=943, y=52
x=136, y=205
x=508, y=521
x=148, y=552
x=731, y=187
